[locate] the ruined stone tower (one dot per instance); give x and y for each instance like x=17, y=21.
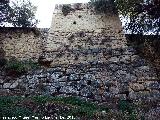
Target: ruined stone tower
x=90, y=58
x=99, y=62
x=73, y=36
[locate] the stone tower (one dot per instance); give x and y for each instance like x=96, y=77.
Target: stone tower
x=92, y=47
x=82, y=31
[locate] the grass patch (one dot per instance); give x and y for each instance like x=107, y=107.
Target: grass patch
x=46, y=106
x=10, y=108
x=41, y=106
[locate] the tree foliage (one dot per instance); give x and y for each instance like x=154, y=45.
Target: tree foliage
x=4, y=11
x=104, y=6
x=19, y=13
x=143, y=16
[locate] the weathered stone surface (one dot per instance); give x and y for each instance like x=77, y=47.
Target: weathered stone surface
x=155, y=86
x=1, y=82
x=87, y=91
x=153, y=114
x=69, y=90
x=137, y=87
x=6, y=85
x=14, y=85
x=90, y=60
x=22, y=43
x=74, y=77
x=114, y=90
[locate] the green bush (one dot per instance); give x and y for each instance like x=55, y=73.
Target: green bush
x=80, y=108
x=125, y=106
x=3, y=62
x=9, y=108
x=20, y=67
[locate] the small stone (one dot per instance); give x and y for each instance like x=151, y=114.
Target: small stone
x=14, y=85
x=123, y=88
x=6, y=85
x=88, y=77
x=114, y=90
x=155, y=86
x=1, y=81
x=68, y=90
x=114, y=67
x=87, y=91
x=132, y=95
x=114, y=59
x=74, y=77
x=153, y=114
x=95, y=83
x=56, y=75
x=125, y=59
x=109, y=83
x=122, y=96
x=137, y=87
x=81, y=84
x=63, y=79
x=52, y=89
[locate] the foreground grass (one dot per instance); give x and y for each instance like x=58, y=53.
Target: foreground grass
x=63, y=108
x=41, y=106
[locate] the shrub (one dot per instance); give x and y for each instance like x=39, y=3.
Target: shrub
x=9, y=108
x=3, y=62
x=125, y=106
x=15, y=67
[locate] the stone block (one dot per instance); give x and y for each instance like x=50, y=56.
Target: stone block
x=6, y=85
x=137, y=87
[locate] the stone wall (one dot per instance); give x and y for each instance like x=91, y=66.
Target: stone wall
x=21, y=43
x=96, y=48
x=88, y=60
x=97, y=81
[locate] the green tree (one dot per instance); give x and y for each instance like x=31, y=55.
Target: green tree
x=22, y=14
x=4, y=11
x=143, y=16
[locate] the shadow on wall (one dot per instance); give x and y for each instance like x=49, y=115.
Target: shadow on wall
x=2, y=52
x=148, y=47
x=2, y=55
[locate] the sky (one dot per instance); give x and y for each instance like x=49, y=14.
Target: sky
x=45, y=10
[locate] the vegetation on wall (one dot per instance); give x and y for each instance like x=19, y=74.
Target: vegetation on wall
x=66, y=9
x=16, y=68
x=3, y=62
x=147, y=47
